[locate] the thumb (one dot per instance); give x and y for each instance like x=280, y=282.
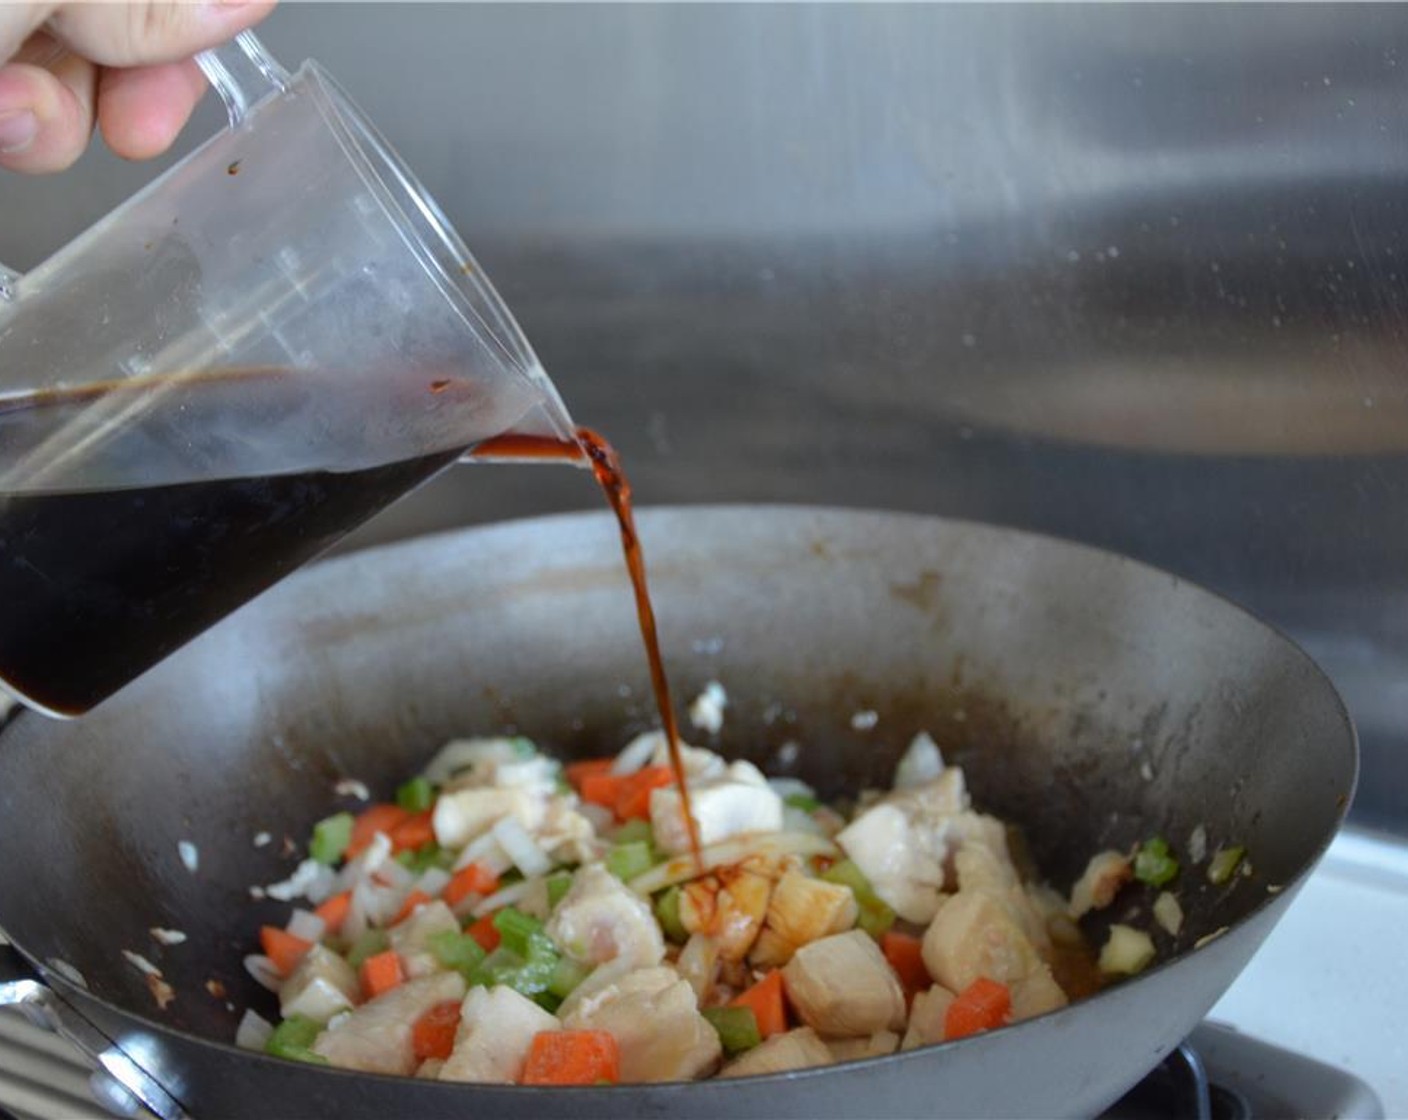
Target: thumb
x=141, y=34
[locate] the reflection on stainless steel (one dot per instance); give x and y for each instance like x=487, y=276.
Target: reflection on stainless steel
x=1133, y=274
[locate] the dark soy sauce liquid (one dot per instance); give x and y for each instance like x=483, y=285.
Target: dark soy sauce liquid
x=606, y=466
x=98, y=584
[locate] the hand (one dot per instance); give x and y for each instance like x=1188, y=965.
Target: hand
x=129, y=68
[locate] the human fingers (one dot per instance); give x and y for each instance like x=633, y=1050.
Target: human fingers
x=141, y=110
x=46, y=114
x=152, y=31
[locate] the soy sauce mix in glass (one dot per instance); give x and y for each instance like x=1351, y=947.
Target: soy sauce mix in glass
x=99, y=583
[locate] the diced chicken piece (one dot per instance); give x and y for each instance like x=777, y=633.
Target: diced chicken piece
x=465, y=814
x=902, y=842
x=921, y=764
x=927, y=1016
x=979, y=867
x=735, y=802
x=903, y=873
x=799, y=1049
x=462, y=763
x=497, y=1026
x=698, y=964
x=729, y=906
x=707, y=711
x=974, y=935
x=1036, y=994
x=800, y=911
x=376, y=1037
x=656, y=1022
x=1102, y=879
x=600, y=919
x=566, y=834
x=854, y=1049
x=322, y=985
x=842, y=987
x=411, y=937
x=700, y=764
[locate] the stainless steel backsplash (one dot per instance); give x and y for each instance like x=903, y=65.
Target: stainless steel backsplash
x=1136, y=274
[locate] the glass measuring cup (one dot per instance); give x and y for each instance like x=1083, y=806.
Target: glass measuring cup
x=268, y=344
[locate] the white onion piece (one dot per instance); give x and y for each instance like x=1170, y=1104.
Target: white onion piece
x=190, y=855
x=253, y=1032
x=367, y=862
x=922, y=763
x=600, y=817
x=483, y=850
x=506, y=897
x=681, y=868
x=636, y=753
x=355, y=923
x=263, y=971
x=432, y=882
x=795, y=820
x=699, y=964
x=394, y=875
x=527, y=856
x=307, y=925
x=791, y=787
x=296, y=885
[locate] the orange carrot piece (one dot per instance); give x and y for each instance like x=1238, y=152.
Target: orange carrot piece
x=981, y=1006
x=474, y=879
x=380, y=973
x=572, y=1058
x=334, y=911
x=765, y=1000
x=906, y=957
x=576, y=771
x=600, y=788
x=486, y=933
x=633, y=796
x=414, y=832
x=433, y=1035
x=283, y=948
x=414, y=899
x=377, y=818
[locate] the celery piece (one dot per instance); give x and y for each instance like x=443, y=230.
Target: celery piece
x=331, y=835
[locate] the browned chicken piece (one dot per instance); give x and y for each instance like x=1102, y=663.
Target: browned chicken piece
x=655, y=1018
x=799, y=1049
x=376, y=1038
x=974, y=935
x=800, y=911
x=842, y=987
x=854, y=1049
x=729, y=906
x=1102, y=879
x=926, y=1017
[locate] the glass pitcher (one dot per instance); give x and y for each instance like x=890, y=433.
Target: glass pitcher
x=264, y=347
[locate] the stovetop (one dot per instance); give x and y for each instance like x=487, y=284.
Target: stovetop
x=1311, y=1028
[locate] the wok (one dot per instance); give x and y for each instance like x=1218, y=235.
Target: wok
x=1091, y=698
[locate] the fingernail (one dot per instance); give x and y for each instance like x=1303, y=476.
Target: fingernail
x=18, y=128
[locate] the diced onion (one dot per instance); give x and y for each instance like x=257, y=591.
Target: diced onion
x=297, y=884
x=636, y=753
x=922, y=763
x=598, y=816
x=140, y=963
x=791, y=787
x=795, y=820
x=394, y=875
x=486, y=852
x=681, y=869
x=367, y=862
x=253, y=1032
x=521, y=848
x=432, y=882
x=190, y=855
x=1168, y=913
x=263, y=971
x=506, y=897
x=698, y=964
x=167, y=936
x=307, y=925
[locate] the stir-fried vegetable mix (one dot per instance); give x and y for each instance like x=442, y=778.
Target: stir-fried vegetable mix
x=506, y=919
